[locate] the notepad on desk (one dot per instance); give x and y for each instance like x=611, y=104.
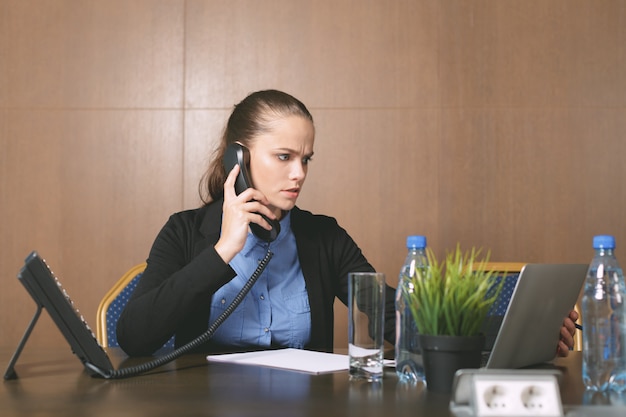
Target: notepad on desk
x=290, y=359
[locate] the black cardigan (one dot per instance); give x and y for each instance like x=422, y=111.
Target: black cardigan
x=184, y=271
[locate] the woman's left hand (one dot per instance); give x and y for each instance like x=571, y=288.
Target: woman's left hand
x=567, y=334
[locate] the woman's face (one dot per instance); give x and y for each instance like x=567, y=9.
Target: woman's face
x=279, y=161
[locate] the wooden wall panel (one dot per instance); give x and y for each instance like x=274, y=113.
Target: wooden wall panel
x=345, y=54
x=5, y=41
x=536, y=98
x=203, y=130
x=533, y=53
x=89, y=191
x=95, y=54
x=92, y=143
x=533, y=184
x=497, y=124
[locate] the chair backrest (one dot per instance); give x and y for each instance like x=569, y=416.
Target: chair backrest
x=112, y=305
x=509, y=271
x=578, y=336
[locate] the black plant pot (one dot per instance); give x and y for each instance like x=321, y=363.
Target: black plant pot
x=444, y=355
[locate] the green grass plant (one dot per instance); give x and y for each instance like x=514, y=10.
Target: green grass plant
x=453, y=296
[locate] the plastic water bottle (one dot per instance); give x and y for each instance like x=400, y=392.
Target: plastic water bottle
x=408, y=353
x=604, y=320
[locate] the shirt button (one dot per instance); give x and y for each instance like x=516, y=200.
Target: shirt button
x=262, y=297
x=266, y=330
x=223, y=301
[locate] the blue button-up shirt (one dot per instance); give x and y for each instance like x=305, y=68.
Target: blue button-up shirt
x=276, y=311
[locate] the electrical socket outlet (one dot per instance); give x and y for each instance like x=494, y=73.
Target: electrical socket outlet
x=516, y=397
x=507, y=393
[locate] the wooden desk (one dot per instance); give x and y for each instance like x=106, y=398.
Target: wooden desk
x=52, y=383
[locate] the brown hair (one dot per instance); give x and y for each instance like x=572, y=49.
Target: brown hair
x=249, y=119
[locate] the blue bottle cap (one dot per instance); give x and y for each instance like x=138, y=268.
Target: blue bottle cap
x=603, y=242
x=416, y=241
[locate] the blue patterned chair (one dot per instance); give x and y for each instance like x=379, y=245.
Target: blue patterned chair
x=112, y=305
x=509, y=271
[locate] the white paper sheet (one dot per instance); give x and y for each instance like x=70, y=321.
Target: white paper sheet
x=291, y=359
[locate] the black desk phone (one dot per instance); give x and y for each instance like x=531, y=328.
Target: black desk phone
x=237, y=154
x=47, y=292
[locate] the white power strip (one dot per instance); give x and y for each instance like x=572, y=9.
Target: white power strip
x=506, y=393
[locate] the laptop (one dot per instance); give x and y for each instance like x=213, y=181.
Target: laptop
x=543, y=296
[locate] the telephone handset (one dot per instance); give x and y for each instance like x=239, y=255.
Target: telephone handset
x=237, y=154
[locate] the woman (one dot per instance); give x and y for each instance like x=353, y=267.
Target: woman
x=201, y=258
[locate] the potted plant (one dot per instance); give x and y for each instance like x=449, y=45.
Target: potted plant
x=450, y=301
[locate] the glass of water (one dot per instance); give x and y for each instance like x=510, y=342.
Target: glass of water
x=366, y=324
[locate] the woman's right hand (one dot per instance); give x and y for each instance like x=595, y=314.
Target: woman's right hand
x=238, y=212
